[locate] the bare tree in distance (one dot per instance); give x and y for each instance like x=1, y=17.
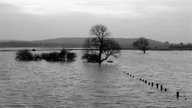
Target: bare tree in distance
x=100, y=47
x=141, y=44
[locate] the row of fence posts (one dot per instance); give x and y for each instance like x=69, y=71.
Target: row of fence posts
x=153, y=84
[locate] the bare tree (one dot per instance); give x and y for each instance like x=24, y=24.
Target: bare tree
x=141, y=44
x=100, y=47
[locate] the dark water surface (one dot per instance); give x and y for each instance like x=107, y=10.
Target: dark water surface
x=79, y=84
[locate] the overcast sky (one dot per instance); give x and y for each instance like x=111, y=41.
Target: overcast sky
x=163, y=20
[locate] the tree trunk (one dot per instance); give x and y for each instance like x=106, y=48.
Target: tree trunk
x=144, y=51
x=100, y=52
x=99, y=63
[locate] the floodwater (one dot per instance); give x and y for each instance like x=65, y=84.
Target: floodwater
x=41, y=84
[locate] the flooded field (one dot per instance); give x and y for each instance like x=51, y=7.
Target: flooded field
x=41, y=84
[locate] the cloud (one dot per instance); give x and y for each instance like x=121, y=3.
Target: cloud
x=7, y=9
x=111, y=8
x=35, y=19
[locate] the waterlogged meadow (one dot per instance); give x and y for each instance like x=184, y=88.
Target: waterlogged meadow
x=41, y=84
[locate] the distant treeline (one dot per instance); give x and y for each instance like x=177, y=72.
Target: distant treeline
x=40, y=44
x=153, y=45
x=125, y=43
x=181, y=46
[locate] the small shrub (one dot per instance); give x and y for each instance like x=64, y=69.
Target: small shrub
x=63, y=54
x=37, y=57
x=24, y=55
x=53, y=56
x=92, y=58
x=71, y=56
x=33, y=50
x=44, y=56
